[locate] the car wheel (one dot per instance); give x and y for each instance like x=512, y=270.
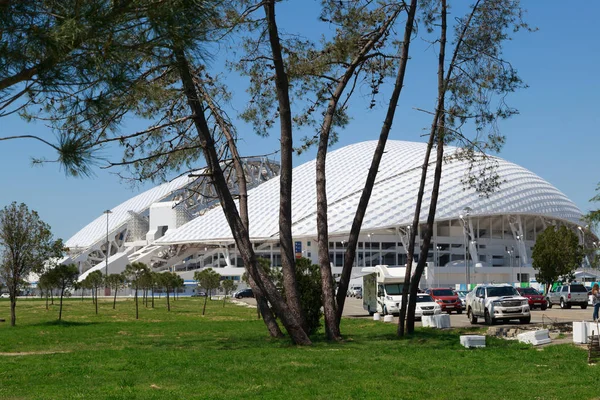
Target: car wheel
x=488, y=318
x=562, y=303
x=238, y=296
x=543, y=306
x=525, y=320
x=472, y=317
x=459, y=311
x=371, y=313
x=583, y=306
x=548, y=303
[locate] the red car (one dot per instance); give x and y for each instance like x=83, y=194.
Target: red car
x=447, y=299
x=536, y=299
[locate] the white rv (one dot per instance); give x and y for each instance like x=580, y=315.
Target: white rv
x=382, y=289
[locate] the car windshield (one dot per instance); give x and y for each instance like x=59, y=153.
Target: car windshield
x=578, y=288
x=424, y=299
x=443, y=292
x=502, y=291
x=529, y=290
x=393, y=289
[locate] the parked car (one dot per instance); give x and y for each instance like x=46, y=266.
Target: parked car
x=426, y=306
x=4, y=296
x=244, y=293
x=199, y=294
x=590, y=298
x=568, y=295
x=447, y=299
x=358, y=293
x=497, y=302
x=462, y=295
x=535, y=298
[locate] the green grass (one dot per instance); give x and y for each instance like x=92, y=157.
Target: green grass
x=228, y=355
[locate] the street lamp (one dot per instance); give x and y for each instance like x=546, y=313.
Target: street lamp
x=510, y=254
x=463, y=217
x=107, y=212
x=370, y=250
x=519, y=239
x=437, y=264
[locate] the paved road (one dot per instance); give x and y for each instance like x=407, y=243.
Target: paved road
x=354, y=309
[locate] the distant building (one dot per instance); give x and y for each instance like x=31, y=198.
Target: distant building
x=173, y=227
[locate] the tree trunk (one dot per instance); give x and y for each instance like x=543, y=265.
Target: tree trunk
x=168, y=300
x=13, y=311
x=137, y=313
x=115, y=298
x=62, y=292
x=288, y=262
x=268, y=317
x=152, y=297
x=205, y=299
x=350, y=254
x=238, y=229
x=96, y=299
x=46, y=300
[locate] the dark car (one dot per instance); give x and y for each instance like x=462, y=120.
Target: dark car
x=535, y=298
x=244, y=293
x=447, y=299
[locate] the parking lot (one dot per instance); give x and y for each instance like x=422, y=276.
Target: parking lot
x=354, y=309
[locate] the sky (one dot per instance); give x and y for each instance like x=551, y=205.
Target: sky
x=555, y=134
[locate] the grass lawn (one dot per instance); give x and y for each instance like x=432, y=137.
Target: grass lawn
x=227, y=354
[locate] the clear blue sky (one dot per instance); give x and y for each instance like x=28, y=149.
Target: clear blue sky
x=555, y=135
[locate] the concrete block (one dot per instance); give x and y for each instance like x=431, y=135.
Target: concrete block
x=442, y=321
x=428, y=321
x=535, y=337
x=470, y=341
x=376, y=316
x=580, y=332
x=388, y=318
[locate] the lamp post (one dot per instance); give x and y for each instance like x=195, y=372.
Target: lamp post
x=107, y=212
x=583, y=246
x=370, y=250
x=463, y=217
x=510, y=254
x=520, y=277
x=437, y=264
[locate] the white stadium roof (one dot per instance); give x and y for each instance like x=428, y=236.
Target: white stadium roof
x=393, y=199
x=96, y=230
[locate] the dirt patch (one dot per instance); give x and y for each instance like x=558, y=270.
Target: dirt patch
x=32, y=353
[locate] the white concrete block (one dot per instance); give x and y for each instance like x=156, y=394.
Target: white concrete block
x=428, y=321
x=376, y=316
x=469, y=341
x=580, y=332
x=442, y=321
x=535, y=337
x=388, y=318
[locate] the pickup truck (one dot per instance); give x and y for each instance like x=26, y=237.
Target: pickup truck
x=497, y=302
x=568, y=295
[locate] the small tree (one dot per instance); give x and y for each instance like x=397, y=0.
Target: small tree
x=26, y=244
x=45, y=285
x=308, y=276
x=115, y=282
x=168, y=280
x=228, y=287
x=556, y=254
x=63, y=277
x=95, y=280
x=207, y=279
x=134, y=273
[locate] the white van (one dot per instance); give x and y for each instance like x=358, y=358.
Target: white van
x=382, y=289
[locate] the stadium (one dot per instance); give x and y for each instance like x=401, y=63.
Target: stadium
x=178, y=226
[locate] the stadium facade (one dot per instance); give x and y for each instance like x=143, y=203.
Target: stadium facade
x=176, y=226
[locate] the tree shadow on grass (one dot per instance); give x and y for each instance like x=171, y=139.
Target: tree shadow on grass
x=65, y=324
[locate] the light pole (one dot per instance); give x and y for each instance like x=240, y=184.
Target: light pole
x=510, y=254
x=107, y=212
x=583, y=246
x=370, y=250
x=437, y=264
x=520, y=277
x=463, y=217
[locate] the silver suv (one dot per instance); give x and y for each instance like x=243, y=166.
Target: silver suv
x=568, y=295
x=497, y=302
